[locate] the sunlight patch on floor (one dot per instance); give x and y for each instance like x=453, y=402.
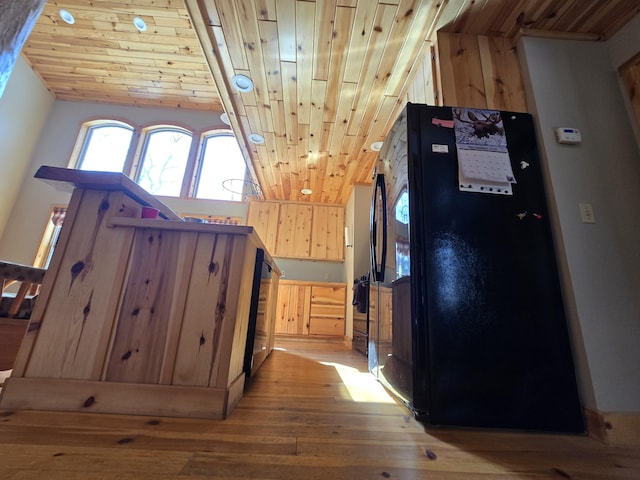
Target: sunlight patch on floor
x=362, y=386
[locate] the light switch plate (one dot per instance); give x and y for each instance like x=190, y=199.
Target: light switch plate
x=586, y=213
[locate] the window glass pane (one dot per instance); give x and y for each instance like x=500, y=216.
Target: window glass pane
x=105, y=148
x=221, y=160
x=164, y=162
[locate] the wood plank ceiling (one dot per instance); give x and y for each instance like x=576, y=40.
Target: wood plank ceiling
x=330, y=75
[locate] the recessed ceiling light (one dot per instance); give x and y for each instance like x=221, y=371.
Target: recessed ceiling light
x=256, y=138
x=139, y=24
x=66, y=16
x=306, y=191
x=225, y=118
x=242, y=83
x=376, y=146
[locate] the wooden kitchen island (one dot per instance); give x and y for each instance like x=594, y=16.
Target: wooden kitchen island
x=142, y=316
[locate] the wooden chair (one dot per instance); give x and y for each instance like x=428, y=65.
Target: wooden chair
x=12, y=330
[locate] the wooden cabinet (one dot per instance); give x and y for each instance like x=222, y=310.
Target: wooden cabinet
x=292, y=309
x=327, y=311
x=299, y=230
x=309, y=308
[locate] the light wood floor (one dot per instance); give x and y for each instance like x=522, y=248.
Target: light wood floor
x=311, y=412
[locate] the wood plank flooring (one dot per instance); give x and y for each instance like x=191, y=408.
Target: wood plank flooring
x=311, y=412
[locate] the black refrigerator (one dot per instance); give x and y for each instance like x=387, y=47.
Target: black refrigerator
x=467, y=322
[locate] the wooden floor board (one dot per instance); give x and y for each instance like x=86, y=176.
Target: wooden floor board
x=311, y=412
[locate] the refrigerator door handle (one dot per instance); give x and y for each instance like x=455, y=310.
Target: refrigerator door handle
x=380, y=191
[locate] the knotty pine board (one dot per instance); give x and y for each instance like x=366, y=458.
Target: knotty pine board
x=480, y=72
x=299, y=230
x=69, y=344
x=154, y=298
x=294, y=230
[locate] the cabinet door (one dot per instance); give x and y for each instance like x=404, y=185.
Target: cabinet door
x=327, y=315
x=292, y=316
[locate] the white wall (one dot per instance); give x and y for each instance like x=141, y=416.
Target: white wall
x=23, y=111
x=30, y=212
x=573, y=84
x=626, y=43
x=356, y=258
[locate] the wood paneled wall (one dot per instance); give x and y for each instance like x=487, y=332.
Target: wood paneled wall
x=480, y=71
x=299, y=230
x=425, y=87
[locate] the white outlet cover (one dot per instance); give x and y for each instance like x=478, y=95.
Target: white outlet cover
x=586, y=213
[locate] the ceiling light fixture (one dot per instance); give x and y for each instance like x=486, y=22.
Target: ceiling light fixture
x=306, y=191
x=242, y=83
x=139, y=24
x=224, y=118
x=66, y=16
x=256, y=138
x=376, y=146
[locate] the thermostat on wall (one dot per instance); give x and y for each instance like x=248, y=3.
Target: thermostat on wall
x=568, y=135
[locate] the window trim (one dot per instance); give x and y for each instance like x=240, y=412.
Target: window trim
x=195, y=177
x=141, y=149
x=77, y=154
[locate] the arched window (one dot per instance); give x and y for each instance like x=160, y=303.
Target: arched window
x=220, y=161
x=164, y=160
x=105, y=146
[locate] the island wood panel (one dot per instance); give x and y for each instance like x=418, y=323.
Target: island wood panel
x=154, y=294
x=199, y=336
x=480, y=72
x=234, y=303
x=72, y=341
x=300, y=230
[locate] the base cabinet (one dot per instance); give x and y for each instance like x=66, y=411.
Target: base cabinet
x=292, y=309
x=309, y=308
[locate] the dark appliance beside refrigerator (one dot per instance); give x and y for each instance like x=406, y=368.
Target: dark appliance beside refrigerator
x=360, y=337
x=467, y=323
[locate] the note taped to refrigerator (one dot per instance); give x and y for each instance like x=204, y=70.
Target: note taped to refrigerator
x=484, y=165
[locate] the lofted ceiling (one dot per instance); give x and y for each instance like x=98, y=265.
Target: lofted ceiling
x=329, y=75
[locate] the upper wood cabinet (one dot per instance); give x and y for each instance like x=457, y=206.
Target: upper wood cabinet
x=299, y=230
